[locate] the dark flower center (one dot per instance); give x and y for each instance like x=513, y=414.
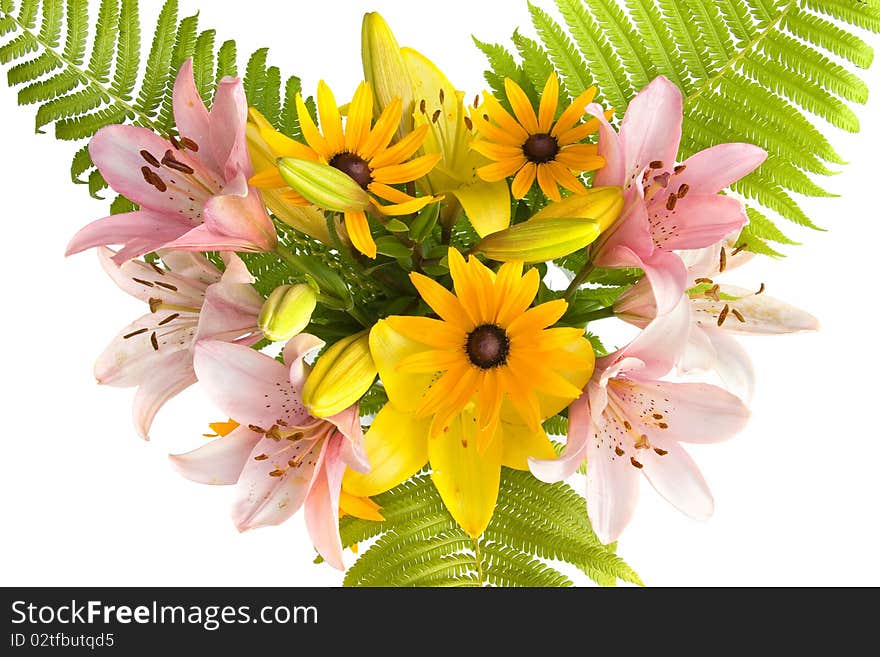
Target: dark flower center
x=541, y=149
x=488, y=346
x=354, y=167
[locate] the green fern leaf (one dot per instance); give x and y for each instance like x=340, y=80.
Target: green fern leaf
x=156, y=75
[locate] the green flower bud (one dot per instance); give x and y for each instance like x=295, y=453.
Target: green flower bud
x=385, y=70
x=287, y=311
x=325, y=186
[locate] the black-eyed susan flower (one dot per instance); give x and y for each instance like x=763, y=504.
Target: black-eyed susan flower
x=469, y=391
x=531, y=146
x=360, y=149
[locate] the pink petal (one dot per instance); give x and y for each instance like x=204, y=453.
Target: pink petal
x=117, y=151
x=233, y=222
x=141, y=232
x=228, y=136
x=271, y=489
x=637, y=305
x=632, y=231
x=651, y=128
x=678, y=479
x=580, y=431
x=353, y=451
x=765, y=315
x=611, y=148
x=612, y=491
x=697, y=221
x=660, y=345
x=664, y=270
x=232, y=308
x=246, y=385
x=193, y=266
x=716, y=168
x=728, y=359
x=295, y=351
x=689, y=412
x=322, y=504
x=220, y=462
x=191, y=115
x=131, y=359
x=172, y=376
x=138, y=279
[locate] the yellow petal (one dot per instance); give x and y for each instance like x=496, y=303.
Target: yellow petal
x=389, y=348
x=382, y=132
x=466, y=480
x=496, y=152
x=574, y=112
x=566, y=178
x=431, y=332
x=360, y=116
x=402, y=173
x=310, y=130
x=268, y=179
x=577, y=373
x=223, y=429
x=359, y=507
x=580, y=163
x=516, y=292
x=284, y=146
x=547, y=183
x=501, y=170
x=442, y=301
x=504, y=120
x=402, y=150
x=410, y=207
x=331, y=120
x=358, y=229
x=522, y=106
x=487, y=205
x=397, y=448
x=524, y=180
x=549, y=104
x=389, y=193
x=474, y=287
x=538, y=318
x=520, y=443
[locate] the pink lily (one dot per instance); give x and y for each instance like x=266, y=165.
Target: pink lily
x=189, y=301
x=717, y=311
x=668, y=207
x=192, y=191
x=280, y=457
x=628, y=422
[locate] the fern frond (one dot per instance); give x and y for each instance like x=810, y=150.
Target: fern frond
x=419, y=544
x=757, y=71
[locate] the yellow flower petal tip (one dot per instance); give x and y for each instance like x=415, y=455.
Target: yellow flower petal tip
x=340, y=377
x=359, y=507
x=222, y=429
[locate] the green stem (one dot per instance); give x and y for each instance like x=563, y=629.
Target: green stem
x=479, y=561
x=582, y=276
x=596, y=315
x=713, y=80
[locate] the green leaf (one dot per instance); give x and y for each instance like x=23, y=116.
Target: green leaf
x=534, y=526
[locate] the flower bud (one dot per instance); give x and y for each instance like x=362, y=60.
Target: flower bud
x=539, y=240
x=287, y=311
x=306, y=219
x=325, y=186
x=340, y=377
x=557, y=230
x=385, y=70
x=601, y=204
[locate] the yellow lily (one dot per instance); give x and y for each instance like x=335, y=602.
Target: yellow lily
x=468, y=392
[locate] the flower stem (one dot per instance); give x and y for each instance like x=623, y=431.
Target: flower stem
x=582, y=276
x=603, y=313
x=478, y=557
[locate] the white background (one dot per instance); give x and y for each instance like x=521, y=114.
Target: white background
x=85, y=502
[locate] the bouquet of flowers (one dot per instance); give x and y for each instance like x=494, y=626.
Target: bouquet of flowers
x=390, y=293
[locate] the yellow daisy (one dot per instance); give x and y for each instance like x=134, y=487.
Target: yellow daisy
x=468, y=391
x=532, y=146
x=360, y=149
